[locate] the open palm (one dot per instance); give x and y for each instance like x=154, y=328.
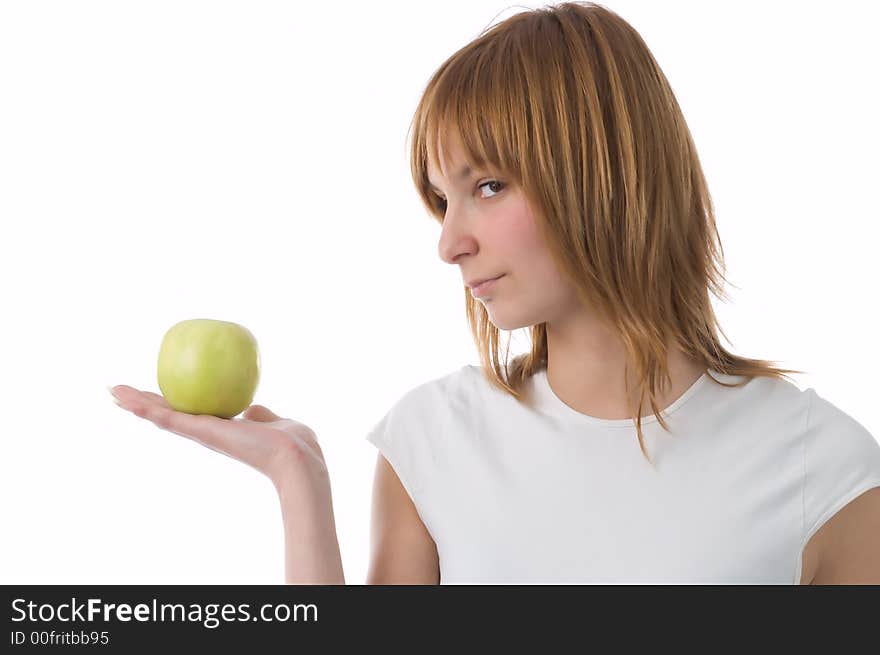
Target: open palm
x=277, y=447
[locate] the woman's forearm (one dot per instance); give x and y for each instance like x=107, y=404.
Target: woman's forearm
x=311, y=546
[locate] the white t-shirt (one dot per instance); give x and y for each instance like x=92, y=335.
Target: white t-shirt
x=542, y=494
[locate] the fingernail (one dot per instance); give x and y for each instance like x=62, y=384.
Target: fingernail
x=113, y=395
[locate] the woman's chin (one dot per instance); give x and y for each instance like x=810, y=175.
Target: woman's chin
x=505, y=322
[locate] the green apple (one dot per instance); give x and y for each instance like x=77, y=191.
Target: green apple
x=209, y=367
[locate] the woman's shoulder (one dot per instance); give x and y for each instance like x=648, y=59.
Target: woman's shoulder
x=757, y=396
x=438, y=389
x=827, y=422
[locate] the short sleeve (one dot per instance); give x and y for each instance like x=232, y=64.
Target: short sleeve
x=841, y=461
x=397, y=444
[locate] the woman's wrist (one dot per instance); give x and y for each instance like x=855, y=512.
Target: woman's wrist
x=311, y=545
x=311, y=549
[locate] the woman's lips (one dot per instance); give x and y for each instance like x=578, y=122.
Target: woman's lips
x=484, y=287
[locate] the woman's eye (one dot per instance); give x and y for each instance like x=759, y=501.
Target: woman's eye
x=494, y=185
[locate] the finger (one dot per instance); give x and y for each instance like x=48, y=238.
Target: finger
x=130, y=394
x=260, y=413
x=233, y=438
x=207, y=429
x=126, y=396
x=159, y=399
x=246, y=441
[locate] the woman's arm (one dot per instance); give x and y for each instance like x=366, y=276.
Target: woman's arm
x=402, y=549
x=284, y=450
x=851, y=553
x=311, y=546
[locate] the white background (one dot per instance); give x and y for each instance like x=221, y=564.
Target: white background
x=247, y=161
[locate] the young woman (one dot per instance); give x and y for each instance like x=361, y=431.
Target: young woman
x=628, y=446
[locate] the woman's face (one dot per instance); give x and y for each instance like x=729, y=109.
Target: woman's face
x=489, y=230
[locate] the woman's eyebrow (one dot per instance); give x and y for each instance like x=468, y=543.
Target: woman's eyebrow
x=463, y=174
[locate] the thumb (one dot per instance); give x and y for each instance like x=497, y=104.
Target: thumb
x=260, y=413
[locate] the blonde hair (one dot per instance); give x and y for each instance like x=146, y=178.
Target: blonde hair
x=568, y=102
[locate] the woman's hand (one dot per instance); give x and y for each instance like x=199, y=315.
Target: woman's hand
x=285, y=450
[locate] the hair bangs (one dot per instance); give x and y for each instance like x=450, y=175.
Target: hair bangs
x=476, y=97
